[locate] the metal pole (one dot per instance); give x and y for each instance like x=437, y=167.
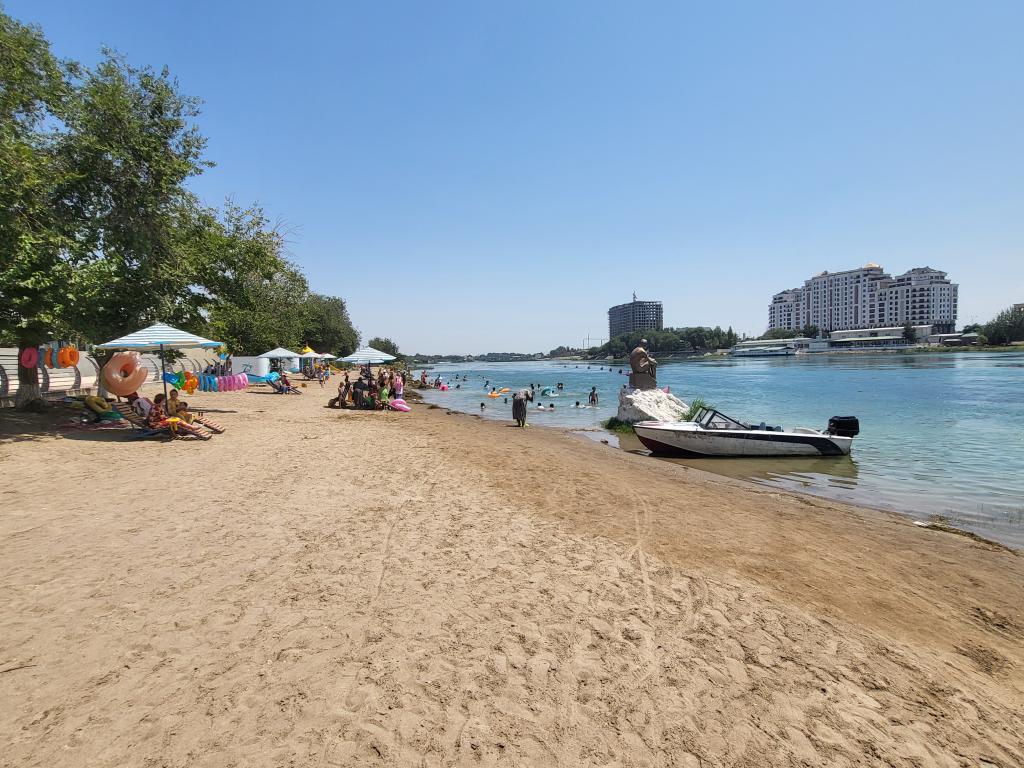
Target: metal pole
x=162, y=371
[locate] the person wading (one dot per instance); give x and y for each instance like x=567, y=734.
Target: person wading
x=519, y=401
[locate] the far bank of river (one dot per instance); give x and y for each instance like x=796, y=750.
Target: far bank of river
x=942, y=433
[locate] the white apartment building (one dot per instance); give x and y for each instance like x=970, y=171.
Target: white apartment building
x=867, y=298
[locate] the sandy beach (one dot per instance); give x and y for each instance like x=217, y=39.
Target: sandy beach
x=325, y=588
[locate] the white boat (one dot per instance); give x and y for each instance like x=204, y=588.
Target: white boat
x=763, y=351
x=714, y=434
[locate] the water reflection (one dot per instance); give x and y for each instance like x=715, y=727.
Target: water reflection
x=803, y=472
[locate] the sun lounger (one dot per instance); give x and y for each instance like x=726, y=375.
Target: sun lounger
x=141, y=430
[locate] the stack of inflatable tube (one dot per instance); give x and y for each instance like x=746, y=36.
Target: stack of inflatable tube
x=230, y=383
x=54, y=355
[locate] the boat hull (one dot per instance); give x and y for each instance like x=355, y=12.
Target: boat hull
x=739, y=443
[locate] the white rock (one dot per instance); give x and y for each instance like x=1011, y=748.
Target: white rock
x=650, y=405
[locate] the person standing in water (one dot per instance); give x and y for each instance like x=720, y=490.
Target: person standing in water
x=593, y=395
x=519, y=401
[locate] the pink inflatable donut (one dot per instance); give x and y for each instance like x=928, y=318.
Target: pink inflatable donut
x=124, y=373
x=243, y=381
x=29, y=357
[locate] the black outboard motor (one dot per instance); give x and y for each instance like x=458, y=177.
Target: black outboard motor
x=843, y=426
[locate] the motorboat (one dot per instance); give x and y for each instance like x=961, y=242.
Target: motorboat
x=712, y=433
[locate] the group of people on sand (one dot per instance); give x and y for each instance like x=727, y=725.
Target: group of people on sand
x=369, y=392
x=220, y=368
x=318, y=371
x=173, y=413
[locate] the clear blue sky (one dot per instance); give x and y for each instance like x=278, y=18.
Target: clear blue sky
x=482, y=176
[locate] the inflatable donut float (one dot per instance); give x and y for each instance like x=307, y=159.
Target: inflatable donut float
x=124, y=373
x=29, y=357
x=97, y=404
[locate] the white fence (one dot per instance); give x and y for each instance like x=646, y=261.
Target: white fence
x=83, y=378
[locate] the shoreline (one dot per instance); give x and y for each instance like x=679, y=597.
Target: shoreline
x=934, y=521
x=342, y=587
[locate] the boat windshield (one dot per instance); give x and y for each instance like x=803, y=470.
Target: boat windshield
x=709, y=418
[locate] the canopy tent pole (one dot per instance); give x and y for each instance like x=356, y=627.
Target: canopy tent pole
x=163, y=371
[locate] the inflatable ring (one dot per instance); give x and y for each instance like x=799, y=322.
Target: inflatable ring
x=29, y=357
x=73, y=356
x=97, y=404
x=62, y=357
x=124, y=373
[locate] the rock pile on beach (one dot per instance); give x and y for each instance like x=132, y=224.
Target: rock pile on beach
x=650, y=405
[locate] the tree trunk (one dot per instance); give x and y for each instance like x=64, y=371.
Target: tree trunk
x=29, y=396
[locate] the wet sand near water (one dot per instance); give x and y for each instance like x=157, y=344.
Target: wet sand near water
x=336, y=588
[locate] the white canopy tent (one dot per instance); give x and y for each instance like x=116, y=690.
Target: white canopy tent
x=159, y=337
x=278, y=353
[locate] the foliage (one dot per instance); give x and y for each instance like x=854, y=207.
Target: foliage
x=909, y=334
x=668, y=341
x=327, y=326
x=384, y=345
x=99, y=234
x=614, y=425
x=809, y=331
x=695, y=405
x=35, y=91
x=1006, y=327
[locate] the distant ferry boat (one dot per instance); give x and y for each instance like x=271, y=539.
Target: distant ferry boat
x=773, y=351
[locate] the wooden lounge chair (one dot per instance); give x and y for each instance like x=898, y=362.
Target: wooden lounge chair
x=141, y=430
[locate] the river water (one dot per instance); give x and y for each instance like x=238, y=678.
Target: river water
x=941, y=434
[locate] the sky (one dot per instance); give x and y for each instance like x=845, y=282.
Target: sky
x=480, y=176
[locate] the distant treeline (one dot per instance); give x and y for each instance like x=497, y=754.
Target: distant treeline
x=490, y=357
x=670, y=341
x=99, y=235
x=1005, y=328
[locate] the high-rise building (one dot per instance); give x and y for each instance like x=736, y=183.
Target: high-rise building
x=635, y=316
x=867, y=298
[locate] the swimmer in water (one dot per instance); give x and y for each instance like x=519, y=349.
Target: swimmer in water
x=482, y=406
x=577, y=404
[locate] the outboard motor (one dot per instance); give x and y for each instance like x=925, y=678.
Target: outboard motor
x=843, y=426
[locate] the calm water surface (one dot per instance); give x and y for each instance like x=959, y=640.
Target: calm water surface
x=941, y=434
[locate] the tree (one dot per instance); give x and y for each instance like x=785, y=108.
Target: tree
x=130, y=149
x=809, y=331
x=384, y=345
x=909, y=334
x=263, y=312
x=1006, y=327
x=780, y=333
x=327, y=326
x=35, y=95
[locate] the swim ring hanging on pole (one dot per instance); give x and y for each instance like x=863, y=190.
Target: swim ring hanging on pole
x=29, y=357
x=124, y=373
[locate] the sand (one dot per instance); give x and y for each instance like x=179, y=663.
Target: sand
x=324, y=588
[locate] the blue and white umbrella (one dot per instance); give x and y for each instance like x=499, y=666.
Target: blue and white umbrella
x=368, y=355
x=159, y=337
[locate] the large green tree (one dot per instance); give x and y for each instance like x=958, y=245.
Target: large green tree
x=35, y=258
x=1006, y=327
x=130, y=148
x=328, y=327
x=384, y=344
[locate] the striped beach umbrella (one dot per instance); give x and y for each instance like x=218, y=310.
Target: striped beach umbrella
x=369, y=355
x=159, y=337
